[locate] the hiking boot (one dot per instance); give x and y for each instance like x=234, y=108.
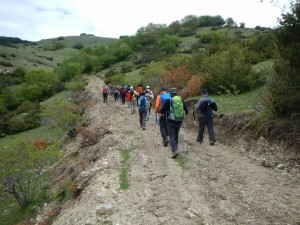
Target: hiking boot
x=212, y=142
x=198, y=140
x=175, y=154
x=165, y=141
x=144, y=128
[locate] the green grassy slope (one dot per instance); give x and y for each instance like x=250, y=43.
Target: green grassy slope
x=32, y=56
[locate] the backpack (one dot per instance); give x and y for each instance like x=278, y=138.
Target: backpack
x=176, y=112
x=131, y=93
x=148, y=95
x=116, y=91
x=104, y=90
x=139, y=90
x=207, y=108
x=164, y=97
x=122, y=90
x=143, y=103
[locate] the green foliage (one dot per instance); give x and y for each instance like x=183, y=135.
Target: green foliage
x=181, y=161
x=39, y=84
x=69, y=69
x=75, y=85
x=169, y=44
x=284, y=85
x=63, y=115
x=115, y=79
x=21, y=166
x=9, y=99
x=230, y=68
x=66, y=191
x=26, y=117
x=125, y=166
x=78, y=46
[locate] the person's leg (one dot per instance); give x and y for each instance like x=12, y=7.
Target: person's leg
x=144, y=116
x=177, y=129
x=210, y=128
x=163, y=129
x=172, y=135
x=201, y=127
x=141, y=117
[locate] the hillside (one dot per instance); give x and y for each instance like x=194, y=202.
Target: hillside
x=36, y=54
x=227, y=183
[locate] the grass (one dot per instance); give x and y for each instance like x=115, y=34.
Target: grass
x=125, y=166
x=230, y=104
x=181, y=162
x=29, y=57
x=10, y=212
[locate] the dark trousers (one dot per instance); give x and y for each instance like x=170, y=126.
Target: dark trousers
x=163, y=127
x=104, y=97
x=208, y=122
x=116, y=97
x=123, y=98
x=143, y=115
x=173, y=130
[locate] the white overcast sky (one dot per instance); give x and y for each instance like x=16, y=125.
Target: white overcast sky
x=34, y=20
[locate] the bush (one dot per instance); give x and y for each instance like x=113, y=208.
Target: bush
x=78, y=46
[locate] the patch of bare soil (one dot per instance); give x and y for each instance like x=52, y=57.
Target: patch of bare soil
x=227, y=183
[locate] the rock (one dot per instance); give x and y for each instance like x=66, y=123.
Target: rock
x=105, y=208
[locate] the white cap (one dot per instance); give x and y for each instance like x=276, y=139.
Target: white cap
x=147, y=87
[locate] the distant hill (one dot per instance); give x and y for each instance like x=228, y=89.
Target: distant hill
x=46, y=52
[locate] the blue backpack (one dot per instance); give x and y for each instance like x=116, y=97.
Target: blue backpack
x=164, y=97
x=143, y=102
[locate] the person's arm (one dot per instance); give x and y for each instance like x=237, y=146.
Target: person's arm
x=196, y=109
x=158, y=103
x=185, y=108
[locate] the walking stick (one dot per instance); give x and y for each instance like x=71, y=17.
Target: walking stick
x=194, y=118
x=184, y=137
x=157, y=130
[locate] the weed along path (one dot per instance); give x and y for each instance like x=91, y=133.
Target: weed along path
x=131, y=181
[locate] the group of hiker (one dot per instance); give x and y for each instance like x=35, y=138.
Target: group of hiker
x=170, y=111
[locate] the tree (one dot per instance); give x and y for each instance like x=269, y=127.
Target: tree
x=230, y=22
x=39, y=84
x=21, y=167
x=169, y=44
x=284, y=85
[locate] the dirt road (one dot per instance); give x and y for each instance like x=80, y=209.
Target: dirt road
x=217, y=185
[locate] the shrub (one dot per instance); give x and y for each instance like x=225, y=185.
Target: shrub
x=78, y=46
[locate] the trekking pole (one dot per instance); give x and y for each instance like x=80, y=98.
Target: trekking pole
x=194, y=118
x=184, y=137
x=157, y=130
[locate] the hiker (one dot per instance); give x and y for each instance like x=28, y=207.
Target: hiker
x=205, y=107
x=143, y=108
x=149, y=97
x=122, y=91
x=160, y=100
x=131, y=99
x=139, y=90
x=175, y=109
x=116, y=94
x=104, y=94
x=128, y=98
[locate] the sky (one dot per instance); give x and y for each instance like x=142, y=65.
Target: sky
x=34, y=20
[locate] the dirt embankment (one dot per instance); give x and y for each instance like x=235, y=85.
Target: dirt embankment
x=239, y=180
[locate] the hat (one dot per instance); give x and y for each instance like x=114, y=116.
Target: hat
x=173, y=90
x=164, y=88
x=204, y=91
x=147, y=87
